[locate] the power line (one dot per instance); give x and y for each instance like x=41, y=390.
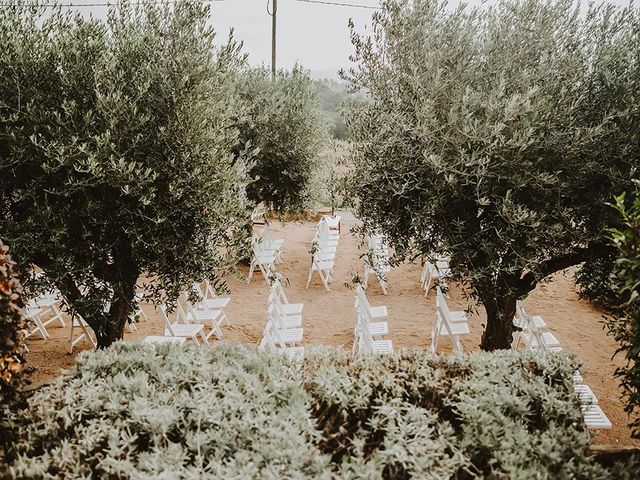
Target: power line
x=103, y=4
x=340, y=4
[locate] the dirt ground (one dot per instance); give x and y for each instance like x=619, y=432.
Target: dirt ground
x=329, y=318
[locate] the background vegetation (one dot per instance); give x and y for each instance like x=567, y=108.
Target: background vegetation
x=284, y=128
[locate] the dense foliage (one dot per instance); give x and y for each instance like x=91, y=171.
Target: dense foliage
x=117, y=151
x=496, y=135
x=13, y=327
x=625, y=325
x=283, y=126
x=597, y=282
x=188, y=412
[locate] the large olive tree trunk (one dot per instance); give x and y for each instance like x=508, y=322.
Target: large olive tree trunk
x=498, y=334
x=111, y=326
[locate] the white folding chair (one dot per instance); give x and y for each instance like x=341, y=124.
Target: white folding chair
x=333, y=222
x=209, y=300
x=48, y=303
x=33, y=315
x=264, y=259
x=444, y=327
x=269, y=342
x=176, y=329
x=287, y=307
x=286, y=331
x=456, y=316
x=364, y=320
x=272, y=243
x=366, y=344
x=377, y=262
x=532, y=337
x=323, y=264
x=189, y=315
x=86, y=333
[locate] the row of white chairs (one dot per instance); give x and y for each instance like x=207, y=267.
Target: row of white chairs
x=449, y=324
x=267, y=251
x=198, y=320
x=370, y=327
x=323, y=249
x=376, y=261
x=533, y=337
x=283, y=331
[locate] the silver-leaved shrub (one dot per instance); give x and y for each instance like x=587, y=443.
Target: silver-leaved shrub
x=135, y=411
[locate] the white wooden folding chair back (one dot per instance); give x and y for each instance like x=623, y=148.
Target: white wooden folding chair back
x=208, y=300
x=427, y=277
x=324, y=266
x=272, y=243
x=288, y=329
x=444, y=327
x=368, y=333
x=264, y=259
x=272, y=341
x=532, y=335
x=33, y=315
x=333, y=222
x=211, y=318
x=86, y=333
x=377, y=262
x=176, y=329
x=364, y=320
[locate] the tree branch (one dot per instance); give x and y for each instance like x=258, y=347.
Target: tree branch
x=529, y=281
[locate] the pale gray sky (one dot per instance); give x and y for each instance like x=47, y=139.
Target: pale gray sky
x=314, y=35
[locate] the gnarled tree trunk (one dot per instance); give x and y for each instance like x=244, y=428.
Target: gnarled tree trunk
x=498, y=333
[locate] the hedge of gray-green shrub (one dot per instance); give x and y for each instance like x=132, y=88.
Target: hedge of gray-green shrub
x=137, y=411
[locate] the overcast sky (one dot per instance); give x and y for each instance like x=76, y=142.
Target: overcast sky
x=314, y=35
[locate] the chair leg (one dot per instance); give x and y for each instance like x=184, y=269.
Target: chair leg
x=253, y=265
x=309, y=277
x=325, y=280
x=383, y=285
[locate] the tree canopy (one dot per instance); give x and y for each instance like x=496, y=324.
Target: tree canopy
x=282, y=125
x=496, y=135
x=116, y=152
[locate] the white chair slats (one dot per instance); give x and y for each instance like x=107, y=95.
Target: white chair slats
x=368, y=333
x=445, y=326
x=324, y=247
x=377, y=261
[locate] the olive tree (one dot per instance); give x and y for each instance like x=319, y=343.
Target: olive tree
x=496, y=135
x=283, y=128
x=116, y=152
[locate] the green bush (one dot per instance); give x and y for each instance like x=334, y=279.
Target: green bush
x=282, y=124
x=624, y=325
x=170, y=412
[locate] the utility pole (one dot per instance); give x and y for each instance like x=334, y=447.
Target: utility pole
x=273, y=39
